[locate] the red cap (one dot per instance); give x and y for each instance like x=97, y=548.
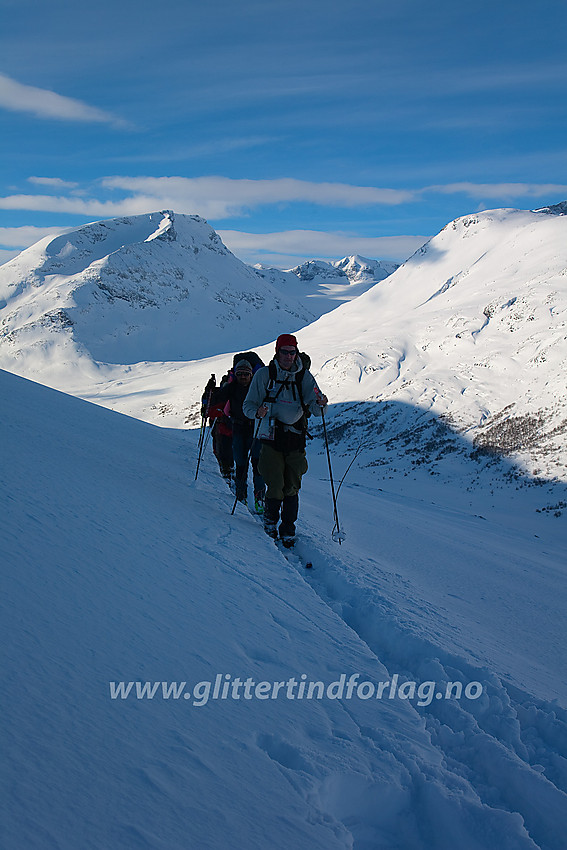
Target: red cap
x=285, y=339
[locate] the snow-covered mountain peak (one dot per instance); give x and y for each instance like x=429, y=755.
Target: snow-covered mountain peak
x=148, y=287
x=359, y=268
x=324, y=284
x=471, y=331
x=555, y=209
x=74, y=250
x=354, y=269
x=317, y=269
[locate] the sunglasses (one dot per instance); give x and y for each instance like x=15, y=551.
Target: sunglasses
x=289, y=352
x=243, y=374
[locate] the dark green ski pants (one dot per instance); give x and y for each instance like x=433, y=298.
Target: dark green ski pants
x=282, y=471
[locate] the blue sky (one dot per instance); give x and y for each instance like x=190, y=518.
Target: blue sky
x=298, y=129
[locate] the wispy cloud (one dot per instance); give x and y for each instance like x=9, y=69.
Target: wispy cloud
x=53, y=182
x=219, y=198
x=77, y=206
x=22, y=237
x=182, y=151
x=211, y=197
x=508, y=77
x=289, y=247
x=501, y=191
x=43, y=103
x=233, y=196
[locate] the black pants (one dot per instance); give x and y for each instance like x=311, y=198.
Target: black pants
x=243, y=442
x=289, y=507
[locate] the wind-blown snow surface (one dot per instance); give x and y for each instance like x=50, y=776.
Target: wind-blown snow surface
x=119, y=568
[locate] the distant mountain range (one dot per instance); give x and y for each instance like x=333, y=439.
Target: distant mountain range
x=355, y=269
x=461, y=351
x=157, y=287
x=149, y=287
x=325, y=285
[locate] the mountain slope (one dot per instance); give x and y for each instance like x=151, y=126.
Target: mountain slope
x=117, y=571
x=145, y=288
x=472, y=332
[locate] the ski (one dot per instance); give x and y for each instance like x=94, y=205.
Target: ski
x=288, y=550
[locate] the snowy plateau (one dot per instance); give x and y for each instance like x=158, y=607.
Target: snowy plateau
x=171, y=680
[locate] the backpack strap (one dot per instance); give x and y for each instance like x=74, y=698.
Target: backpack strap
x=273, y=374
x=296, y=383
x=303, y=421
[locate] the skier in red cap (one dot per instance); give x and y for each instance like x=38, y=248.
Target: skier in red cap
x=282, y=395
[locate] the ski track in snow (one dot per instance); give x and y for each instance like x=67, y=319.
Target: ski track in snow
x=510, y=746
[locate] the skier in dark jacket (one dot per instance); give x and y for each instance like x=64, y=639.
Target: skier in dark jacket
x=220, y=428
x=207, y=395
x=231, y=396
x=282, y=395
x=222, y=437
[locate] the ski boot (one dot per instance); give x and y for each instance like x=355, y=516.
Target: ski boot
x=259, y=502
x=290, y=508
x=287, y=540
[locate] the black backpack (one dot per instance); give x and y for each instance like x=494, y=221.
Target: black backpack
x=251, y=357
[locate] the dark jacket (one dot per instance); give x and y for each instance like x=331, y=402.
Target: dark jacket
x=235, y=393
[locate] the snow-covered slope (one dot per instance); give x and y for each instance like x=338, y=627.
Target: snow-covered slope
x=468, y=337
x=118, y=569
x=146, y=288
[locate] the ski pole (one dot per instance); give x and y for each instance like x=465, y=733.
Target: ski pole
x=356, y=454
x=336, y=526
x=202, y=434
x=199, y=459
x=247, y=462
x=207, y=435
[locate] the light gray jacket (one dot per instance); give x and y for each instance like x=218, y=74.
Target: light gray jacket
x=287, y=406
